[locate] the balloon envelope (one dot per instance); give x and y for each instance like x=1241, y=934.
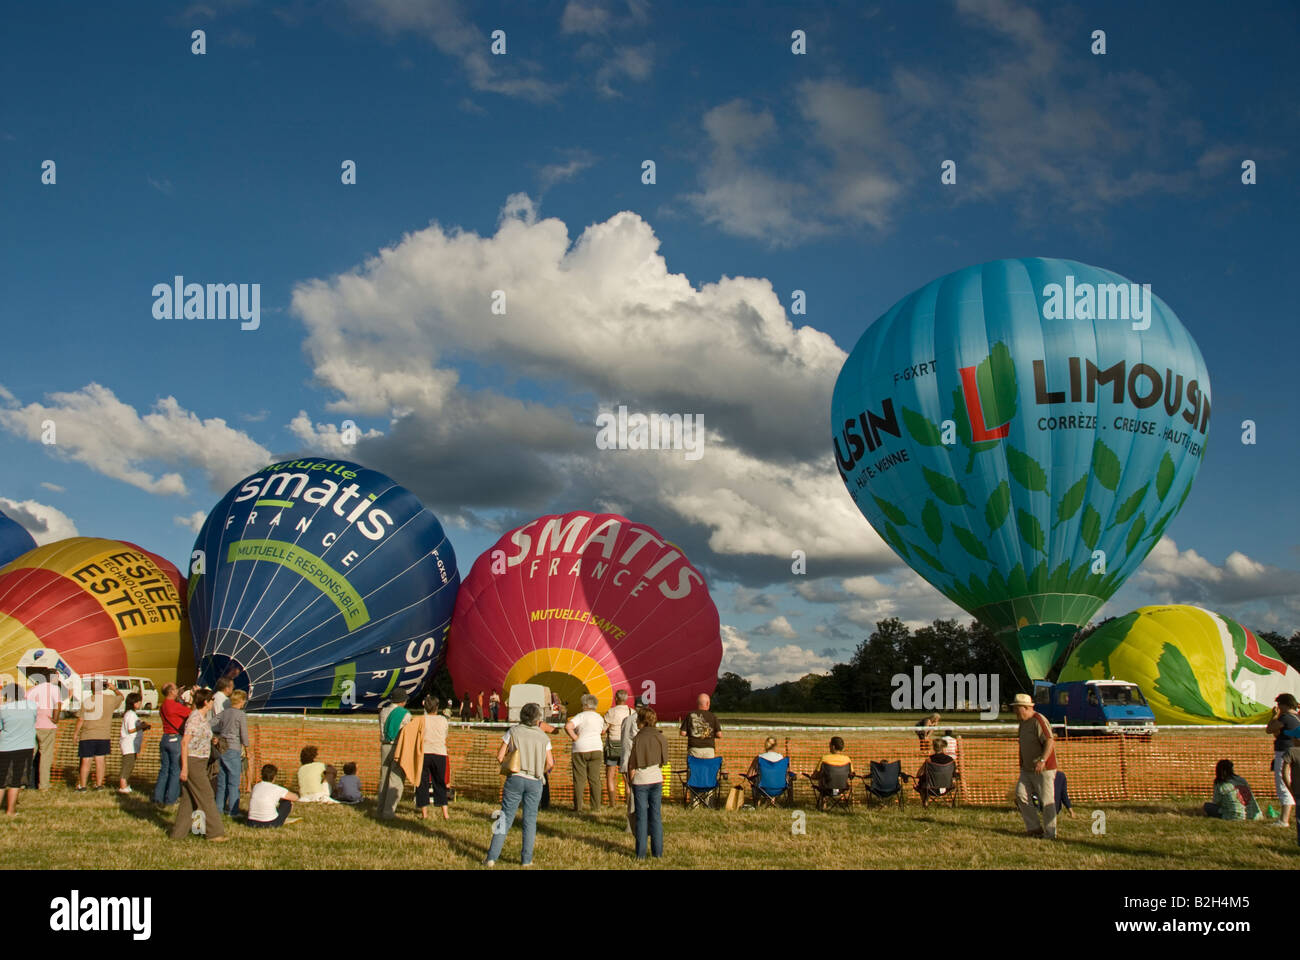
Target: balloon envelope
x=1019, y=443
x=14, y=539
x=587, y=603
x=325, y=584
x=107, y=607
x=1193, y=665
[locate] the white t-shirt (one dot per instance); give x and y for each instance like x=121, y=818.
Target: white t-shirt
x=263, y=804
x=130, y=742
x=219, y=701
x=614, y=718
x=588, y=725
x=771, y=755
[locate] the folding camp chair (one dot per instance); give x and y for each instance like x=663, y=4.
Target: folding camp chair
x=884, y=784
x=938, y=783
x=835, y=788
x=702, y=782
x=773, y=784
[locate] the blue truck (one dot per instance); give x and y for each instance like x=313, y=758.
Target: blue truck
x=1116, y=705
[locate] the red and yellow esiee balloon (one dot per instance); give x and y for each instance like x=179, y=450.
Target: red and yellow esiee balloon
x=106, y=606
x=587, y=603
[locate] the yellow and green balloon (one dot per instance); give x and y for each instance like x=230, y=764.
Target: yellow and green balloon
x=1193, y=665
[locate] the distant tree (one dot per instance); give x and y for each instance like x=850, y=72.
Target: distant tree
x=876, y=659
x=1287, y=647
x=732, y=692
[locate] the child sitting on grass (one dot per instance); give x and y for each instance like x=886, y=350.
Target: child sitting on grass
x=270, y=803
x=1233, y=799
x=349, y=788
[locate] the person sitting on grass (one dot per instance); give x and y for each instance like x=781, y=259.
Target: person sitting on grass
x=1233, y=799
x=269, y=804
x=836, y=758
x=313, y=786
x=1062, y=795
x=349, y=789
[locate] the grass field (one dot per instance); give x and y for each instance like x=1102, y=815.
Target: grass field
x=64, y=829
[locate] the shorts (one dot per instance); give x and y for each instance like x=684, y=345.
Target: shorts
x=613, y=753
x=14, y=765
x=92, y=748
x=702, y=753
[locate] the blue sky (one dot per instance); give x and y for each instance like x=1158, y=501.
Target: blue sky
x=477, y=172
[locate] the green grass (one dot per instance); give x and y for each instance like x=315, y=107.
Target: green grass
x=64, y=829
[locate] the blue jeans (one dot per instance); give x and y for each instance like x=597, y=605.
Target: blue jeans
x=518, y=789
x=230, y=767
x=649, y=799
x=168, y=788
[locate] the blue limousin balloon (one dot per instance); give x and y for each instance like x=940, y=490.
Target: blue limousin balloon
x=321, y=583
x=1021, y=433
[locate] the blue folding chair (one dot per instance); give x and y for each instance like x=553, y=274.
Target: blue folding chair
x=701, y=783
x=774, y=783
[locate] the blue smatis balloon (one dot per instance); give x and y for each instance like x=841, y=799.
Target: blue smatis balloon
x=14, y=539
x=1021, y=433
x=321, y=584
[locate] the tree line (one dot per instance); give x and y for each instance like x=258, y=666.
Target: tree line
x=944, y=647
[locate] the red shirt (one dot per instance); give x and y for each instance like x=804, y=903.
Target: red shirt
x=173, y=714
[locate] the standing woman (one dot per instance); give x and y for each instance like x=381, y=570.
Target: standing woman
x=433, y=777
x=649, y=754
x=196, y=788
x=524, y=786
x=17, y=743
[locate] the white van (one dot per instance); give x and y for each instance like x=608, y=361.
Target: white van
x=141, y=685
x=522, y=693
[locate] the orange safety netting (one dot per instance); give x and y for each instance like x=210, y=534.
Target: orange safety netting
x=1172, y=764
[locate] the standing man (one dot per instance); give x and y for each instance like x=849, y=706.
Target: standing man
x=232, y=730
x=221, y=698
x=614, y=718
x=167, y=790
x=95, y=730
x=48, y=697
x=494, y=704
x=701, y=729
x=392, y=718
x=585, y=730
x=1037, y=768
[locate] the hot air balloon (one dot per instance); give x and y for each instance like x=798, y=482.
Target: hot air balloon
x=321, y=583
x=587, y=603
x=106, y=607
x=14, y=539
x=1193, y=665
x=1021, y=433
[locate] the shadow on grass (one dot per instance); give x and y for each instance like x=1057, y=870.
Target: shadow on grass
x=141, y=808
